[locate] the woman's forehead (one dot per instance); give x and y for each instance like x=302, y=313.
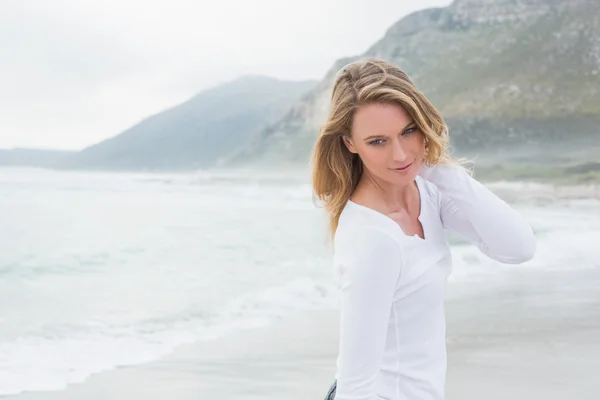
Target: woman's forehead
x=384, y=118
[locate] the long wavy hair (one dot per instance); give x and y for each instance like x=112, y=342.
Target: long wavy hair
x=335, y=170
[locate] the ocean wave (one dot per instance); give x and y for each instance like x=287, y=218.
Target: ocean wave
x=55, y=359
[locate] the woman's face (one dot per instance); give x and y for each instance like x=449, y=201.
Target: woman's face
x=388, y=142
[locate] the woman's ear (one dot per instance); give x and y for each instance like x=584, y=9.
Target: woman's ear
x=349, y=144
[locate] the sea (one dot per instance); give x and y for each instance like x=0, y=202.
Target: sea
x=100, y=270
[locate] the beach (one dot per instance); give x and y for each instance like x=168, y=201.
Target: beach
x=528, y=335
x=173, y=175
x=140, y=286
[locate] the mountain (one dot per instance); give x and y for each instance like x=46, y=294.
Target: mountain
x=198, y=132
x=516, y=80
x=22, y=157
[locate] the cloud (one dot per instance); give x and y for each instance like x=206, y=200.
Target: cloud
x=77, y=71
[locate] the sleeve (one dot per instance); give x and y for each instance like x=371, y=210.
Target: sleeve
x=468, y=208
x=370, y=270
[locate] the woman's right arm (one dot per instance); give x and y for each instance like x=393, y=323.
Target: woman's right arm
x=370, y=268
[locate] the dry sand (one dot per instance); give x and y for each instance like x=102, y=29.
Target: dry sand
x=526, y=335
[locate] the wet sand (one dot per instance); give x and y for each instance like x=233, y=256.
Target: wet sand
x=527, y=334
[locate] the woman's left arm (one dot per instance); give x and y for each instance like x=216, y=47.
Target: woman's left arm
x=472, y=210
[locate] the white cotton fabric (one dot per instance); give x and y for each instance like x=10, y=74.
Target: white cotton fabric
x=392, y=327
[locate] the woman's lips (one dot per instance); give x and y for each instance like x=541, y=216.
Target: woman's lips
x=403, y=168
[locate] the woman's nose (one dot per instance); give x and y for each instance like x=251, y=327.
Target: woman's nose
x=399, y=153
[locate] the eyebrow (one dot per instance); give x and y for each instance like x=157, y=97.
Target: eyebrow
x=380, y=136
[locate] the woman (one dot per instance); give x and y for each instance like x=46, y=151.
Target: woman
x=382, y=169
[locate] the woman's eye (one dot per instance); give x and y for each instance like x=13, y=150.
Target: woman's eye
x=410, y=130
x=376, y=141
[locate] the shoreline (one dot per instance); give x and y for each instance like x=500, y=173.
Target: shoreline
x=526, y=335
x=302, y=174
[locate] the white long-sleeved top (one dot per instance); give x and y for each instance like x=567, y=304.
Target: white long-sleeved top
x=392, y=324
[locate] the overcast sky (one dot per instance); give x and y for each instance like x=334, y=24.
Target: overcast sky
x=74, y=72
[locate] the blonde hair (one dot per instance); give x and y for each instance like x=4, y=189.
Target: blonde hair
x=335, y=170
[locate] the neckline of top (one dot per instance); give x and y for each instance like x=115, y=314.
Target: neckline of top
x=388, y=219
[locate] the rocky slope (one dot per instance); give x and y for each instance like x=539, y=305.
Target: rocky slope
x=41, y=158
x=517, y=80
x=198, y=132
